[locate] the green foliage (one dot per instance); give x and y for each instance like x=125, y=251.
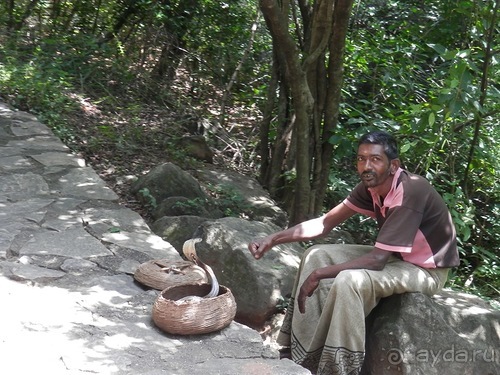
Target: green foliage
x=36, y=83
x=178, y=156
x=408, y=73
x=148, y=198
x=229, y=200
x=192, y=205
x=282, y=304
x=224, y=198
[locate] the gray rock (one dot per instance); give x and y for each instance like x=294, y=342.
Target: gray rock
x=84, y=183
x=59, y=158
x=257, y=285
x=113, y=219
x=74, y=243
x=46, y=260
x=197, y=147
x=451, y=333
x=167, y=180
x=177, y=229
x=120, y=285
x=28, y=128
x=78, y=266
x=336, y=236
x=78, y=309
x=180, y=206
x=24, y=207
x=255, y=202
x=246, y=366
x=128, y=266
x=14, y=162
x=22, y=186
x=38, y=143
x=9, y=151
x=21, y=115
x=147, y=243
x=28, y=272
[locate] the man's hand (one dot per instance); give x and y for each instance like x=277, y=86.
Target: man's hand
x=306, y=290
x=259, y=247
x=374, y=260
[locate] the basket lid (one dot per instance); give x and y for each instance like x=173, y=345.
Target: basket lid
x=161, y=273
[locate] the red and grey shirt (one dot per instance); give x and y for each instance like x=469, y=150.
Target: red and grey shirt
x=413, y=220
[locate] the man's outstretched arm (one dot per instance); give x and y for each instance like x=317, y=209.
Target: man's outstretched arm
x=304, y=231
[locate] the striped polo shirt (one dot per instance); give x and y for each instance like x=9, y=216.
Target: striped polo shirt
x=413, y=220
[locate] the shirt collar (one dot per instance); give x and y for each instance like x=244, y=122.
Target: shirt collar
x=390, y=194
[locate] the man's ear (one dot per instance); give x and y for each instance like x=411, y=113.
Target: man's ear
x=395, y=164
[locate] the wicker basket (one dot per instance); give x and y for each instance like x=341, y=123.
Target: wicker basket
x=175, y=315
x=161, y=274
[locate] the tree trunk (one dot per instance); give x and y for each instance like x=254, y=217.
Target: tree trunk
x=488, y=55
x=317, y=34
x=129, y=10
x=170, y=58
x=310, y=61
x=265, y=126
x=11, y=20
x=282, y=144
x=174, y=47
x=333, y=96
x=27, y=13
x=288, y=56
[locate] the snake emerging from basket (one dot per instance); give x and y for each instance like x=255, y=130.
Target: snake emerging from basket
x=189, y=251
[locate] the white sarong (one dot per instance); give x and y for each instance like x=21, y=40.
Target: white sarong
x=329, y=338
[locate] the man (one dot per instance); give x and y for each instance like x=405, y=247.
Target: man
x=338, y=285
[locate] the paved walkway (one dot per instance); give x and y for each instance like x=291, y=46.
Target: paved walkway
x=68, y=250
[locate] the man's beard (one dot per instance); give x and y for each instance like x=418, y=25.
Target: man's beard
x=371, y=179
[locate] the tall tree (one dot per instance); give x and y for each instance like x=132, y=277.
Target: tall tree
x=177, y=16
x=309, y=42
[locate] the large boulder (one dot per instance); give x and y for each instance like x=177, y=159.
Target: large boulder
x=177, y=229
x=164, y=181
x=257, y=285
x=251, y=197
x=182, y=206
x=197, y=147
x=450, y=333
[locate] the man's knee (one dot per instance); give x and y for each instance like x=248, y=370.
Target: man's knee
x=353, y=280
x=335, y=253
x=315, y=251
x=317, y=256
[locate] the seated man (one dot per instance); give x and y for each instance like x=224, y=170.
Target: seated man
x=338, y=285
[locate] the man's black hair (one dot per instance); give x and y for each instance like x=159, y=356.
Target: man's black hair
x=384, y=139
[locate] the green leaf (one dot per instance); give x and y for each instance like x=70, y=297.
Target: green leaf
x=432, y=118
x=438, y=48
x=405, y=148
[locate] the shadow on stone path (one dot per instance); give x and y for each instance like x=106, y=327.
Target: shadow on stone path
x=68, y=250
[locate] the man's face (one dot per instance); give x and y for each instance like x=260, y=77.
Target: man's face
x=374, y=167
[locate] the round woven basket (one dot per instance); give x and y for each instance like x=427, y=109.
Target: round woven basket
x=161, y=274
x=191, y=316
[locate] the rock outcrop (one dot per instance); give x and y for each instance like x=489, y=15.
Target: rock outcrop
x=255, y=202
x=164, y=181
x=450, y=333
x=171, y=191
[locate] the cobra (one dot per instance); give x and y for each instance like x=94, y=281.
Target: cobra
x=189, y=251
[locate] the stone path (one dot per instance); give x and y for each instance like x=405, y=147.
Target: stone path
x=68, y=250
